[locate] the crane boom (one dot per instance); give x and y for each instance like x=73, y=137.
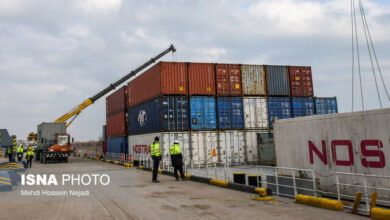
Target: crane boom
x=77, y=110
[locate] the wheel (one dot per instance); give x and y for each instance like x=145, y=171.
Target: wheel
x=66, y=159
x=44, y=159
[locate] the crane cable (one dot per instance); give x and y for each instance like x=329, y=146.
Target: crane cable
x=371, y=51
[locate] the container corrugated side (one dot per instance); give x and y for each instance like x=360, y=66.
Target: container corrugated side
x=204, y=147
x=139, y=145
x=46, y=136
x=301, y=81
x=278, y=81
x=201, y=77
x=228, y=77
x=164, y=78
x=117, y=101
x=116, y=125
x=117, y=145
x=203, y=113
x=255, y=113
x=302, y=107
x=231, y=147
x=168, y=113
x=230, y=113
x=354, y=142
x=278, y=108
x=253, y=80
x=325, y=105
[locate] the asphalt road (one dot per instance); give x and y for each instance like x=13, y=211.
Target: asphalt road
x=131, y=195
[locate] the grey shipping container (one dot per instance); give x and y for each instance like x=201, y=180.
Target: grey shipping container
x=278, y=83
x=47, y=134
x=5, y=138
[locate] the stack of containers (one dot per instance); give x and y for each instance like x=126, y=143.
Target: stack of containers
x=231, y=140
x=158, y=107
x=116, y=121
x=203, y=118
x=301, y=81
x=255, y=107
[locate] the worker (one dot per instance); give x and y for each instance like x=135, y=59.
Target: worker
x=9, y=153
x=14, y=154
x=20, y=152
x=156, y=156
x=30, y=156
x=177, y=160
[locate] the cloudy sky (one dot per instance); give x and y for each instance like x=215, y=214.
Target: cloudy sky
x=55, y=54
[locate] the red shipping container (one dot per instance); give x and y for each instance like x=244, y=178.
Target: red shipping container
x=116, y=125
x=301, y=81
x=201, y=77
x=117, y=101
x=164, y=78
x=228, y=78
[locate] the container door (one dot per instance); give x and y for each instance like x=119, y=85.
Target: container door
x=211, y=146
x=251, y=147
x=222, y=148
x=266, y=149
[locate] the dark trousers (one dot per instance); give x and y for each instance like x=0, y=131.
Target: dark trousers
x=180, y=168
x=29, y=162
x=10, y=157
x=20, y=155
x=156, y=164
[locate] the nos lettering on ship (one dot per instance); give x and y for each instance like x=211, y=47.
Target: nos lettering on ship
x=141, y=149
x=367, y=154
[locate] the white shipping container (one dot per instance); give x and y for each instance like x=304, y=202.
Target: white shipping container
x=255, y=113
x=252, y=150
x=139, y=145
x=231, y=147
x=357, y=142
x=204, y=147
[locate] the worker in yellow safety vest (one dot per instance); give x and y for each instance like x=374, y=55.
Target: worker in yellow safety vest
x=156, y=156
x=9, y=153
x=20, y=152
x=177, y=160
x=30, y=156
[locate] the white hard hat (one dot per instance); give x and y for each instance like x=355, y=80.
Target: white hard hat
x=176, y=142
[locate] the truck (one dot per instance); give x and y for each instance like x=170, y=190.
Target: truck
x=53, y=143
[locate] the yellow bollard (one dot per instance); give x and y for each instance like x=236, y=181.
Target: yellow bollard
x=319, y=202
x=356, y=203
x=380, y=214
x=373, y=200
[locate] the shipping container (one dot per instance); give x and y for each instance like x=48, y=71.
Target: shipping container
x=301, y=81
x=255, y=113
x=228, y=77
x=46, y=136
x=231, y=147
x=116, y=125
x=302, y=107
x=117, y=101
x=253, y=80
x=204, y=147
x=203, y=113
x=201, y=78
x=139, y=145
x=278, y=81
x=325, y=105
x=278, y=108
x=117, y=145
x=160, y=114
x=164, y=78
x=260, y=148
x=230, y=114
x=355, y=142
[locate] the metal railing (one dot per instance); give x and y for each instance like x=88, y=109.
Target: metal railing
x=283, y=181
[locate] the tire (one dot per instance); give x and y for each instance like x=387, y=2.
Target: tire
x=66, y=160
x=41, y=159
x=44, y=158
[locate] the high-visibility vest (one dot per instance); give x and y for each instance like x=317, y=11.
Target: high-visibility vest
x=175, y=149
x=9, y=150
x=155, y=149
x=20, y=149
x=30, y=153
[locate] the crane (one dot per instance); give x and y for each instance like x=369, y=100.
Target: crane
x=53, y=143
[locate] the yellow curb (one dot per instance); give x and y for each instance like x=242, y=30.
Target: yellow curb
x=319, y=202
x=380, y=214
x=218, y=182
x=263, y=198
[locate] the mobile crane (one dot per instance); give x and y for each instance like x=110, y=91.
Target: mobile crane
x=53, y=143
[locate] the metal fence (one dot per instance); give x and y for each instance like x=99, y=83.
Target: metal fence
x=283, y=181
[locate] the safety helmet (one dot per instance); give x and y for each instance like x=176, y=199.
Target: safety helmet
x=176, y=142
x=14, y=147
x=30, y=148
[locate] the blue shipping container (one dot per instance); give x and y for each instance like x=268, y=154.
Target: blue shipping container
x=278, y=82
x=160, y=114
x=230, y=114
x=326, y=106
x=203, y=115
x=302, y=106
x=117, y=145
x=278, y=108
